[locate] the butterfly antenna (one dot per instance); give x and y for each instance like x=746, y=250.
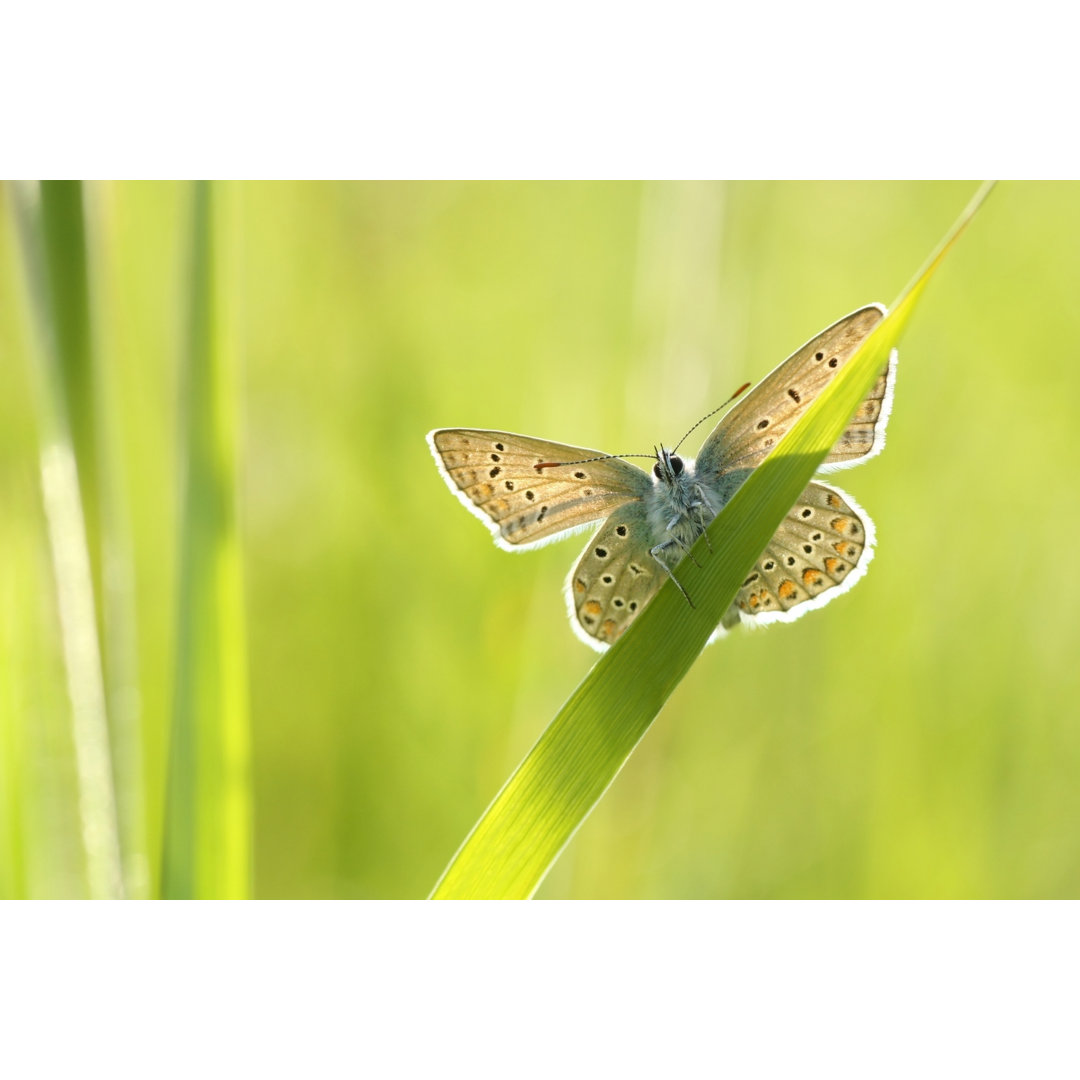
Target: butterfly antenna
x=585, y=461
x=707, y=415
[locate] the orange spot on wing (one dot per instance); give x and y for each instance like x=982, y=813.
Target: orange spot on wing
x=831, y=563
x=592, y=608
x=609, y=627
x=812, y=577
x=579, y=585
x=840, y=524
x=787, y=589
x=833, y=500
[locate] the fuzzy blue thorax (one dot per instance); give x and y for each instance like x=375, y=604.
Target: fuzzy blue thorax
x=679, y=507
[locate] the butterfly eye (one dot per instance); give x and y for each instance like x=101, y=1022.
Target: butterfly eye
x=676, y=465
x=656, y=471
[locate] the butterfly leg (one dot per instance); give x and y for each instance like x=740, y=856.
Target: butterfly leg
x=676, y=539
x=703, y=521
x=655, y=553
x=705, y=512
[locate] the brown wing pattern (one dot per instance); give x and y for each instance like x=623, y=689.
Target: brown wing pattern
x=865, y=435
x=749, y=431
x=614, y=578
x=494, y=475
x=820, y=550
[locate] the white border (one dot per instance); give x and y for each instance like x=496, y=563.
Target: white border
x=857, y=989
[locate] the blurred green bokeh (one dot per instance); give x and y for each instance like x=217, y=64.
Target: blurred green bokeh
x=917, y=738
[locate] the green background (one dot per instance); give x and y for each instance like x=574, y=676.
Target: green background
x=919, y=737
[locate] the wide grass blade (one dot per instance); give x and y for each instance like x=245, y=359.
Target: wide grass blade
x=207, y=843
x=550, y=794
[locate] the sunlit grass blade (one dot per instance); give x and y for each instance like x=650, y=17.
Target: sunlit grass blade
x=52, y=230
x=63, y=227
x=207, y=842
x=547, y=798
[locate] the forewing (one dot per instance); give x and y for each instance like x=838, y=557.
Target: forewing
x=821, y=549
x=756, y=423
x=864, y=437
x=614, y=578
x=494, y=475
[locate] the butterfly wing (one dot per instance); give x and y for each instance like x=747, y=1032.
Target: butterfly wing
x=750, y=429
x=614, y=578
x=821, y=549
x=494, y=475
x=864, y=437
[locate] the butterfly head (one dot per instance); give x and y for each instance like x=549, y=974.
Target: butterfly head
x=669, y=466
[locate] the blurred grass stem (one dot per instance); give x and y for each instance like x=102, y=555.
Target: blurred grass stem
x=207, y=843
x=53, y=239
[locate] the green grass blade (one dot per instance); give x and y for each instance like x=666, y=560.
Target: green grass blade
x=64, y=232
x=53, y=239
x=63, y=229
x=207, y=843
x=550, y=794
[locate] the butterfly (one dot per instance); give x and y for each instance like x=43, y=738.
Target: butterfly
x=530, y=491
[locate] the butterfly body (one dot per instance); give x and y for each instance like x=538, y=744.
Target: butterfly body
x=529, y=491
x=681, y=504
